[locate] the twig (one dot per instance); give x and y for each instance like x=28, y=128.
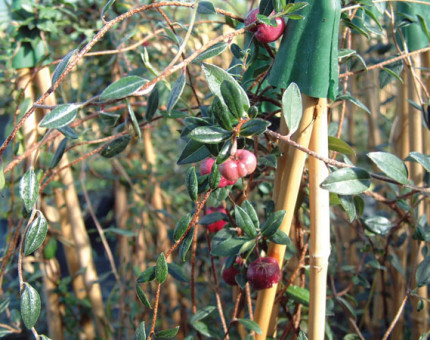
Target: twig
x=396, y=318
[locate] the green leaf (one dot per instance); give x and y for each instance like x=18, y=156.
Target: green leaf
x=294, y=7
x=292, y=107
x=229, y=247
x=30, y=305
x=338, y=145
x=390, y=72
x=176, y=92
x=68, y=132
x=167, y=333
x=120, y=231
x=61, y=67
x=247, y=206
x=299, y=294
x=230, y=92
x=215, y=76
x=273, y=222
x=210, y=52
x=424, y=160
x=347, y=203
x=50, y=249
x=134, y=121
x=206, y=7
x=266, y=7
x=58, y=153
x=36, y=234
x=192, y=183
x=140, y=332
x=202, y=328
x=423, y=272
x=61, y=116
x=29, y=189
x=186, y=244
x=152, y=106
x=210, y=134
x=280, y=238
x=390, y=165
x=355, y=101
x=182, y=226
x=379, y=225
x=244, y=222
x=254, y=127
x=142, y=296
x=193, y=152
x=424, y=26
x=251, y=325
x=347, y=181
x=161, y=269
x=202, y=313
x=147, y=275
x=214, y=177
x=106, y=8
x=222, y=115
x=115, y=147
x=122, y=88
x=177, y=272
x=213, y=217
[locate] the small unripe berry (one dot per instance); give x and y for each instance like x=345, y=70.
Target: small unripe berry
x=218, y=225
x=205, y=169
x=265, y=33
x=243, y=163
x=263, y=273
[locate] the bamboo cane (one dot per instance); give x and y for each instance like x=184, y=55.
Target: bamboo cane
x=400, y=141
x=162, y=237
x=419, y=317
x=320, y=225
x=286, y=201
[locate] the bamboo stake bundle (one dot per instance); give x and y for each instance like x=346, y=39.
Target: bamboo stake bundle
x=291, y=178
x=320, y=225
x=75, y=230
x=419, y=317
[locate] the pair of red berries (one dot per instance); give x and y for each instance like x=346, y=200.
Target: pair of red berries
x=263, y=273
x=243, y=163
x=265, y=33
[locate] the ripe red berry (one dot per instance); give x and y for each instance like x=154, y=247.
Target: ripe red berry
x=243, y=163
x=265, y=33
x=218, y=225
x=229, y=274
x=205, y=169
x=263, y=273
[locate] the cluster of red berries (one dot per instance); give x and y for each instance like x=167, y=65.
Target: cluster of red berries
x=263, y=273
x=243, y=163
x=265, y=33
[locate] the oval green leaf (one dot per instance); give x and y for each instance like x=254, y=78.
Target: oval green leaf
x=176, y=92
x=62, y=66
x=292, y=107
x=251, y=325
x=29, y=189
x=192, y=183
x=390, y=165
x=423, y=272
x=161, y=269
x=186, y=244
x=182, y=226
x=210, y=52
x=347, y=181
x=115, y=147
x=61, y=116
x=244, y=222
x=379, y=225
x=58, y=153
x=122, y=88
x=142, y=296
x=147, y=275
x=152, y=106
x=36, y=234
x=167, y=333
x=210, y=134
x=338, y=145
x=273, y=222
x=299, y=294
x=254, y=127
x=30, y=305
x=193, y=152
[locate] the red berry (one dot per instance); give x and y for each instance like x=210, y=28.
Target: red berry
x=218, y=225
x=263, y=273
x=229, y=274
x=265, y=33
x=205, y=169
x=240, y=165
